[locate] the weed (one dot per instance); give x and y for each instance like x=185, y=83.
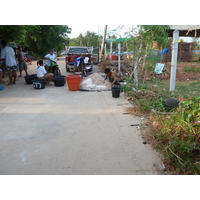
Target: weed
x=175, y=133
x=191, y=69
x=179, y=138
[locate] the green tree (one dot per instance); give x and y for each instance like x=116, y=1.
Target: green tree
x=89, y=39
x=41, y=38
x=143, y=42
x=11, y=33
x=37, y=38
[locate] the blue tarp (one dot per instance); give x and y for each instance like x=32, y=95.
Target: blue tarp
x=196, y=51
x=123, y=53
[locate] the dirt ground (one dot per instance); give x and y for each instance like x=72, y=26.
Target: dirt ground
x=181, y=76
x=185, y=76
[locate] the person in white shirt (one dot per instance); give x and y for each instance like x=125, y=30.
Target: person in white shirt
x=86, y=60
x=8, y=54
x=42, y=73
x=49, y=57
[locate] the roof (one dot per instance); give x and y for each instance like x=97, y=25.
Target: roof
x=185, y=27
x=185, y=30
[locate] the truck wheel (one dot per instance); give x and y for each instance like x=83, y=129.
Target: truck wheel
x=171, y=102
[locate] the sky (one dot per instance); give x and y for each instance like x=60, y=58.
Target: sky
x=99, y=29
x=77, y=30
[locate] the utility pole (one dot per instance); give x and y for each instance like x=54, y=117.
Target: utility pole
x=103, y=42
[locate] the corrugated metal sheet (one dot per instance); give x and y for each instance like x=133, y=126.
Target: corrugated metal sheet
x=185, y=30
x=185, y=27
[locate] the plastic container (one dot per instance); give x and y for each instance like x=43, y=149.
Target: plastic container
x=115, y=91
x=39, y=83
x=114, y=57
x=59, y=81
x=60, y=76
x=29, y=78
x=73, y=81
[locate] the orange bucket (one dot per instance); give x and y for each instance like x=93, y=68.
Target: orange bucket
x=73, y=81
x=114, y=57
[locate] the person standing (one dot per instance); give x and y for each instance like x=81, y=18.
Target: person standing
x=21, y=61
x=49, y=57
x=8, y=54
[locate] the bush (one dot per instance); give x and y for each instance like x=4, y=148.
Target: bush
x=179, y=138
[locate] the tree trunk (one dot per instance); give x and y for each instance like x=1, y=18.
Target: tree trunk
x=102, y=44
x=136, y=73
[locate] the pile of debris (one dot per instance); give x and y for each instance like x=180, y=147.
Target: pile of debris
x=95, y=82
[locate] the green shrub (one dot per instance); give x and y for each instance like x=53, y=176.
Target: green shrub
x=179, y=138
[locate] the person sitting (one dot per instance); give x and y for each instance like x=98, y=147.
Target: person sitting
x=42, y=73
x=49, y=57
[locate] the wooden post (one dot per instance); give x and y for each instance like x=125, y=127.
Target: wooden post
x=119, y=58
x=102, y=44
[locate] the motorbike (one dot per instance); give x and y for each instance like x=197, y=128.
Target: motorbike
x=54, y=68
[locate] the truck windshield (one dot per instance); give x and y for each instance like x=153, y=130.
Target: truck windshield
x=78, y=50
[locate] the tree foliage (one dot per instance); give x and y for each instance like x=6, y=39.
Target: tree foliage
x=36, y=38
x=11, y=33
x=89, y=39
x=154, y=34
x=142, y=44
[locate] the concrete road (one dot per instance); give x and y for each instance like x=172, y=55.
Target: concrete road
x=56, y=131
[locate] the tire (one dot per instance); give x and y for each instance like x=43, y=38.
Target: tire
x=171, y=102
x=57, y=71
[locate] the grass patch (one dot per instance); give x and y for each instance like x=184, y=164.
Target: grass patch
x=191, y=69
x=174, y=132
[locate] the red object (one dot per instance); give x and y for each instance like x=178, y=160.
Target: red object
x=28, y=59
x=73, y=82
x=72, y=58
x=114, y=57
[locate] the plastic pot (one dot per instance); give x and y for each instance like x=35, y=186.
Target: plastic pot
x=73, y=82
x=115, y=91
x=29, y=78
x=59, y=81
x=39, y=83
